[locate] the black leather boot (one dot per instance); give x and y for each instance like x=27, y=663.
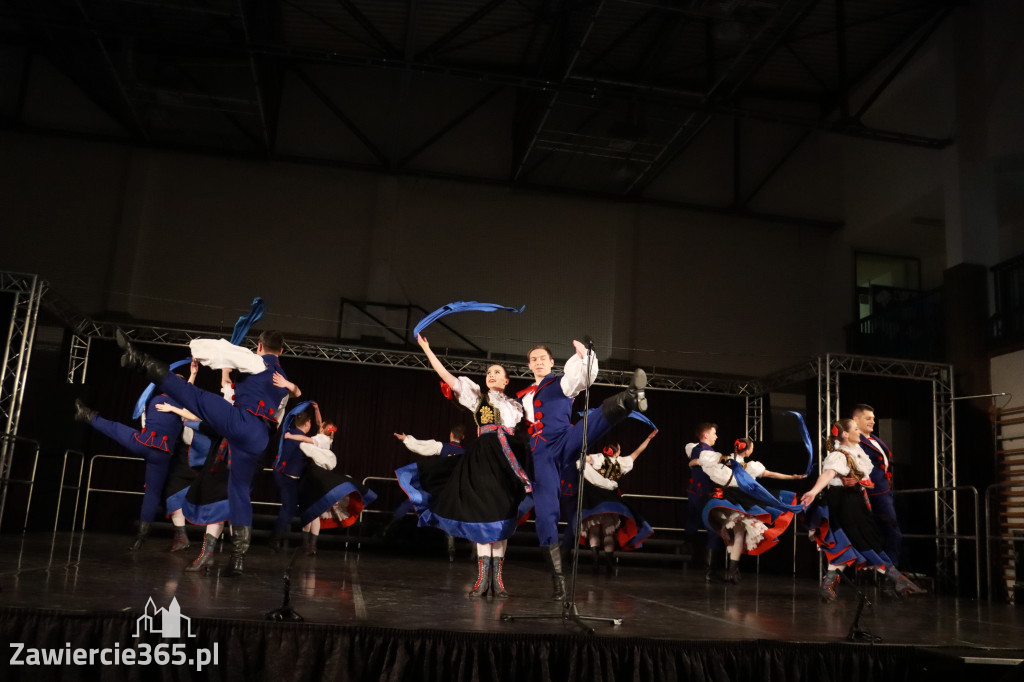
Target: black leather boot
x=204, y=562
x=609, y=562
x=618, y=406
x=276, y=542
x=553, y=555
x=180, y=539
x=497, y=579
x=483, y=577
x=83, y=413
x=309, y=543
x=143, y=532
x=732, y=574
x=597, y=559
x=709, y=564
x=901, y=584
x=132, y=358
x=828, y=586
x=241, y=537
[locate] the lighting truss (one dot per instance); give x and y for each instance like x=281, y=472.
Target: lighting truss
x=27, y=290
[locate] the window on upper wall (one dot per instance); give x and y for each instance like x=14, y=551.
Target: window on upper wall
x=885, y=280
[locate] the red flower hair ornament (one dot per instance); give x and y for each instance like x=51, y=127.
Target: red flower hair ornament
x=740, y=445
x=835, y=430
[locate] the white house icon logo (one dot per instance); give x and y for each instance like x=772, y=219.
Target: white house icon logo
x=166, y=622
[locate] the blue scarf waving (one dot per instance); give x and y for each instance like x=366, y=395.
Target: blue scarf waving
x=460, y=307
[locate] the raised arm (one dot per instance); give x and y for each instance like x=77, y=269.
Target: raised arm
x=180, y=411
x=578, y=373
x=300, y=438
x=446, y=376
x=281, y=382
x=420, y=447
x=783, y=477
x=193, y=370
x=819, y=485
x=643, y=446
x=316, y=416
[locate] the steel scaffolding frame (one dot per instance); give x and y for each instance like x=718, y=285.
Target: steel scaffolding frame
x=827, y=371
x=28, y=291
x=339, y=352
x=754, y=423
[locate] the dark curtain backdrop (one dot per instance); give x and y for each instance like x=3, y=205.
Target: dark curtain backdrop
x=254, y=650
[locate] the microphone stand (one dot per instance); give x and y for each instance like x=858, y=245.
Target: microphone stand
x=856, y=632
x=570, y=613
x=286, y=613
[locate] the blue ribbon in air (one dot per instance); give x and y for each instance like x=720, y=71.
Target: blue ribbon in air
x=140, y=405
x=242, y=327
x=807, y=441
x=462, y=307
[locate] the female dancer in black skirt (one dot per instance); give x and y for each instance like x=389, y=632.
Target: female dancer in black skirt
x=840, y=520
x=328, y=498
x=608, y=520
x=476, y=496
x=748, y=517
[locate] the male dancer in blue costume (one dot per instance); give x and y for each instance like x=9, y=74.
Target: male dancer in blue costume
x=259, y=399
x=555, y=442
x=701, y=488
x=155, y=442
x=288, y=469
x=882, y=507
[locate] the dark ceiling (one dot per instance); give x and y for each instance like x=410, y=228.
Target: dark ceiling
x=597, y=97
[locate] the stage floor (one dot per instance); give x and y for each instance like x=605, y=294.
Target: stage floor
x=94, y=572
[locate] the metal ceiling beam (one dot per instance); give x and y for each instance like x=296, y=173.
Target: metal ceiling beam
x=368, y=26
x=936, y=21
x=261, y=100
x=432, y=50
x=190, y=7
x=807, y=67
x=412, y=23
x=624, y=35
x=930, y=5
x=341, y=116
x=589, y=86
x=679, y=142
x=553, y=97
x=551, y=152
x=786, y=156
x=135, y=122
x=229, y=115
x=358, y=38
x=842, y=83
x=451, y=125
